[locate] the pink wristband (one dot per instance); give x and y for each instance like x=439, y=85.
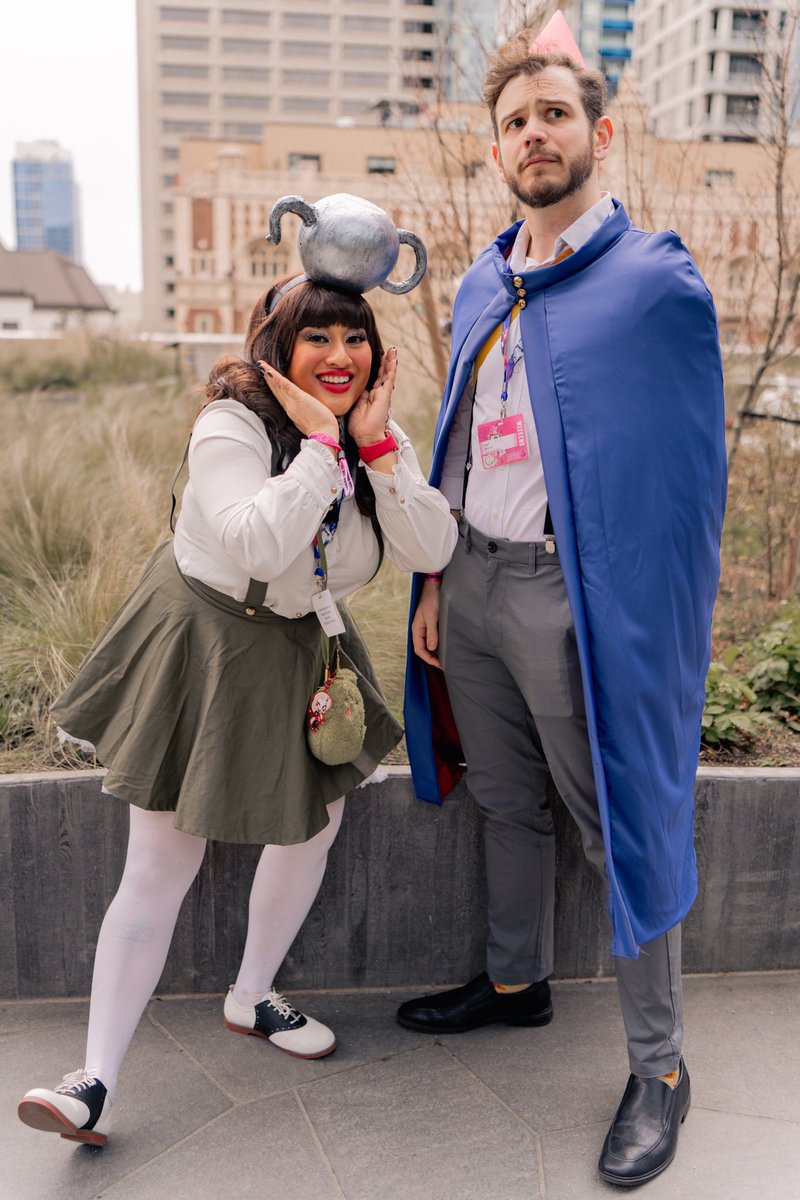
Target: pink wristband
x=437, y=575
x=325, y=439
x=368, y=454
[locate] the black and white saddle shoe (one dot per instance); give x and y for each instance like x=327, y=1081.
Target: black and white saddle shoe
x=274, y=1018
x=643, y=1137
x=78, y=1109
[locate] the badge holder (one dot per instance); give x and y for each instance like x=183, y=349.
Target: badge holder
x=335, y=724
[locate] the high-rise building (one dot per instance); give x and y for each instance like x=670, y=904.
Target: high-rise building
x=602, y=28
x=225, y=68
x=46, y=199
x=605, y=35
x=472, y=34
x=703, y=66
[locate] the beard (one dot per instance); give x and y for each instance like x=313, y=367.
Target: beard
x=544, y=194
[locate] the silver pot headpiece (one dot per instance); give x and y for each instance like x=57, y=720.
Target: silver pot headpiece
x=347, y=242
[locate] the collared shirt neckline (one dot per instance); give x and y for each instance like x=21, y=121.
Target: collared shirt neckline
x=575, y=236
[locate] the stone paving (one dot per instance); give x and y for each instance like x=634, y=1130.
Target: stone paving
x=498, y=1113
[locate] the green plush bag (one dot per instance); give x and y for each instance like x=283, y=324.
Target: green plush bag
x=335, y=718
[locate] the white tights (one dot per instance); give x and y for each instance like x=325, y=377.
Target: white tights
x=132, y=948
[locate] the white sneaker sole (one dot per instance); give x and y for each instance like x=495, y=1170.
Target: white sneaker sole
x=38, y=1114
x=292, y=1053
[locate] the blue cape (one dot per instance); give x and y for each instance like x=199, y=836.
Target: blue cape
x=625, y=378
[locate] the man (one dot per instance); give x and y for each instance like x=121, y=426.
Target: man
x=581, y=442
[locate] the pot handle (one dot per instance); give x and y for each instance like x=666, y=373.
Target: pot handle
x=289, y=204
x=410, y=239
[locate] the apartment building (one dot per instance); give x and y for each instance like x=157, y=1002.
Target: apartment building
x=224, y=68
x=702, y=66
x=46, y=199
x=602, y=28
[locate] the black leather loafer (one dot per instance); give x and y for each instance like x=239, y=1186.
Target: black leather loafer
x=477, y=1003
x=643, y=1137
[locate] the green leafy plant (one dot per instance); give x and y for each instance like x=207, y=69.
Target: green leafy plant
x=730, y=716
x=775, y=674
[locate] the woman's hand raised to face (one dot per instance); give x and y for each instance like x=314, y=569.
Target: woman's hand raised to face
x=307, y=413
x=370, y=414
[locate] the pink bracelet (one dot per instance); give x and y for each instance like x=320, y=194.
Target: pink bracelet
x=368, y=454
x=325, y=439
x=437, y=575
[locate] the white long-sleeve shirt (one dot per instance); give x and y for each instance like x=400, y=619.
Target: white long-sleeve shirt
x=508, y=501
x=237, y=522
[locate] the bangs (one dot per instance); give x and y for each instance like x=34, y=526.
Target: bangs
x=272, y=335
x=320, y=306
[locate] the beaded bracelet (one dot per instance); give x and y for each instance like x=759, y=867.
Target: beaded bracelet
x=368, y=454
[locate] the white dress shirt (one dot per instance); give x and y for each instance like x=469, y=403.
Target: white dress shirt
x=508, y=501
x=237, y=522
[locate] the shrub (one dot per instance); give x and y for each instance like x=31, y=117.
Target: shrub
x=82, y=361
x=85, y=501
x=729, y=717
x=775, y=675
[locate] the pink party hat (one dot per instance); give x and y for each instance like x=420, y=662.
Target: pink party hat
x=557, y=37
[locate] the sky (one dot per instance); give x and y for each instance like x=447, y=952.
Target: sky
x=68, y=73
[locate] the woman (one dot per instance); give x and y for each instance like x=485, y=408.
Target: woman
x=196, y=693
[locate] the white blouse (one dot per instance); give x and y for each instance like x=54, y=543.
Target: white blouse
x=238, y=523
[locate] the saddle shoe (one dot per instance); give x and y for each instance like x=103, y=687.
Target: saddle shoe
x=79, y=1109
x=274, y=1018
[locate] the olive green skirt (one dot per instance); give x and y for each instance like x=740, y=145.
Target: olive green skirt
x=197, y=709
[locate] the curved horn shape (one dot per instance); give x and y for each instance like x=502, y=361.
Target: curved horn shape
x=410, y=239
x=292, y=204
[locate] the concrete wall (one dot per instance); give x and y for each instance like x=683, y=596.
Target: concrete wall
x=403, y=899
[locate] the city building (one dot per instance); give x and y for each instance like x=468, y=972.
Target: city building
x=46, y=199
x=440, y=183
x=436, y=181
x=224, y=68
x=703, y=66
x=605, y=35
x=602, y=28
x=471, y=36
x=733, y=205
x=43, y=292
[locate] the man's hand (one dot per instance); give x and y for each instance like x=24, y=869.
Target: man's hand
x=425, y=625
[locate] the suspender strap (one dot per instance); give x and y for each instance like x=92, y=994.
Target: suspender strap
x=256, y=588
x=174, y=504
x=468, y=463
x=256, y=594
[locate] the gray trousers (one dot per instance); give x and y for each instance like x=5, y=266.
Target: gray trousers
x=508, y=649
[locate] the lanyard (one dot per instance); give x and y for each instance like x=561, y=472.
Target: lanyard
x=325, y=534
x=328, y=527
x=508, y=363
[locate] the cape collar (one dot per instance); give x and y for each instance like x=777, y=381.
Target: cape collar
x=542, y=277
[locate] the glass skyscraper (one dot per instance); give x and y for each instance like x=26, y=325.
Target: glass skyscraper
x=46, y=199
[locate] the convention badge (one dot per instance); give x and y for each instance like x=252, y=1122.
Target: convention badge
x=503, y=442
x=327, y=613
